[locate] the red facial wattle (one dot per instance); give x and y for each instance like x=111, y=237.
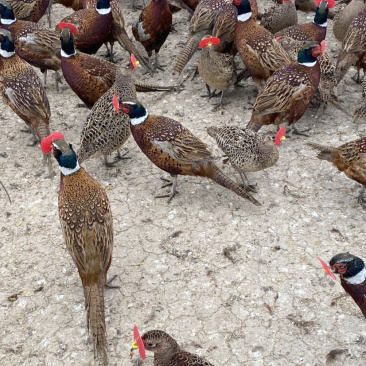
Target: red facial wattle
x=326, y=269
x=139, y=341
x=72, y=27
x=340, y=268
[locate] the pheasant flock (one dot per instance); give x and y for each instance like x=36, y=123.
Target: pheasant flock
x=206, y=262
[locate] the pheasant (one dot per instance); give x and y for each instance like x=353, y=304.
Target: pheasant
x=348, y=158
x=258, y=48
x=174, y=149
x=288, y=92
x=354, y=43
x=282, y=15
x=216, y=17
x=105, y=130
x=152, y=27
x=32, y=10
x=34, y=43
x=246, y=150
x=315, y=31
x=218, y=70
x=166, y=350
x=343, y=18
x=90, y=76
x=93, y=26
x=23, y=91
x=87, y=226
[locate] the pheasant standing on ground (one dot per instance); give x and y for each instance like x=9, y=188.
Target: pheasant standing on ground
x=354, y=42
x=246, y=150
x=353, y=277
x=350, y=159
x=87, y=226
x=174, y=149
x=105, y=130
x=280, y=16
x=167, y=351
x=93, y=26
x=152, y=27
x=258, y=48
x=288, y=92
x=218, y=70
x=23, y=91
x=34, y=43
x=216, y=17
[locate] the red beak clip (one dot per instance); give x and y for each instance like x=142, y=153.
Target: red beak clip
x=72, y=27
x=326, y=269
x=46, y=143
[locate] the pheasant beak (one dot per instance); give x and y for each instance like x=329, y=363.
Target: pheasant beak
x=134, y=346
x=283, y=138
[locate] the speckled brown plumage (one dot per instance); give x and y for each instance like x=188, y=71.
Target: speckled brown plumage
x=93, y=28
x=174, y=149
x=258, y=48
x=349, y=158
x=106, y=131
x=312, y=31
x=167, y=351
x=87, y=226
x=280, y=16
x=246, y=150
x=287, y=93
x=153, y=26
x=218, y=70
x=216, y=17
x=23, y=91
x=344, y=18
x=74, y=4
x=34, y=43
x=32, y=10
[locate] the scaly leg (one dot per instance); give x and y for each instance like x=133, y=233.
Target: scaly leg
x=246, y=185
x=362, y=197
x=173, y=191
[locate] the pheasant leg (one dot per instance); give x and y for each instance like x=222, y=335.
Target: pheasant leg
x=157, y=65
x=173, y=191
x=246, y=185
x=108, y=285
x=362, y=197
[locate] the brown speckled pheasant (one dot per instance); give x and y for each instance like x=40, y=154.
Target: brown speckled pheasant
x=314, y=31
x=288, y=92
x=344, y=18
x=258, y=48
x=216, y=17
x=353, y=277
x=246, y=150
x=105, y=130
x=87, y=226
x=93, y=26
x=90, y=76
x=23, y=91
x=34, y=43
x=218, y=70
x=174, y=149
x=349, y=158
x=167, y=351
x=32, y=10
x=152, y=27
x=280, y=16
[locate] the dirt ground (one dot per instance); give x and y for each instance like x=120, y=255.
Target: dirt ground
x=232, y=282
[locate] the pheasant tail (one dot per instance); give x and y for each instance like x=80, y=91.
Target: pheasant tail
x=95, y=318
x=213, y=172
x=145, y=88
x=325, y=151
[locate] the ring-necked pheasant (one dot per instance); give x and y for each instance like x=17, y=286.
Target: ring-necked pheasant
x=23, y=91
x=246, y=150
x=34, y=43
x=257, y=46
x=152, y=27
x=350, y=159
x=167, y=351
x=352, y=272
x=93, y=26
x=105, y=130
x=90, y=76
x=87, y=227
x=282, y=15
x=218, y=70
x=174, y=149
x=288, y=92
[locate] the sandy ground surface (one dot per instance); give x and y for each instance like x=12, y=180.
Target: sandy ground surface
x=266, y=303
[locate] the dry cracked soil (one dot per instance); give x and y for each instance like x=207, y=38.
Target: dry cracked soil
x=232, y=282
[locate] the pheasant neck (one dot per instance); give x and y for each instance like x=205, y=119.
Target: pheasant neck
x=68, y=171
x=6, y=54
x=8, y=21
x=138, y=120
x=244, y=17
x=357, y=279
